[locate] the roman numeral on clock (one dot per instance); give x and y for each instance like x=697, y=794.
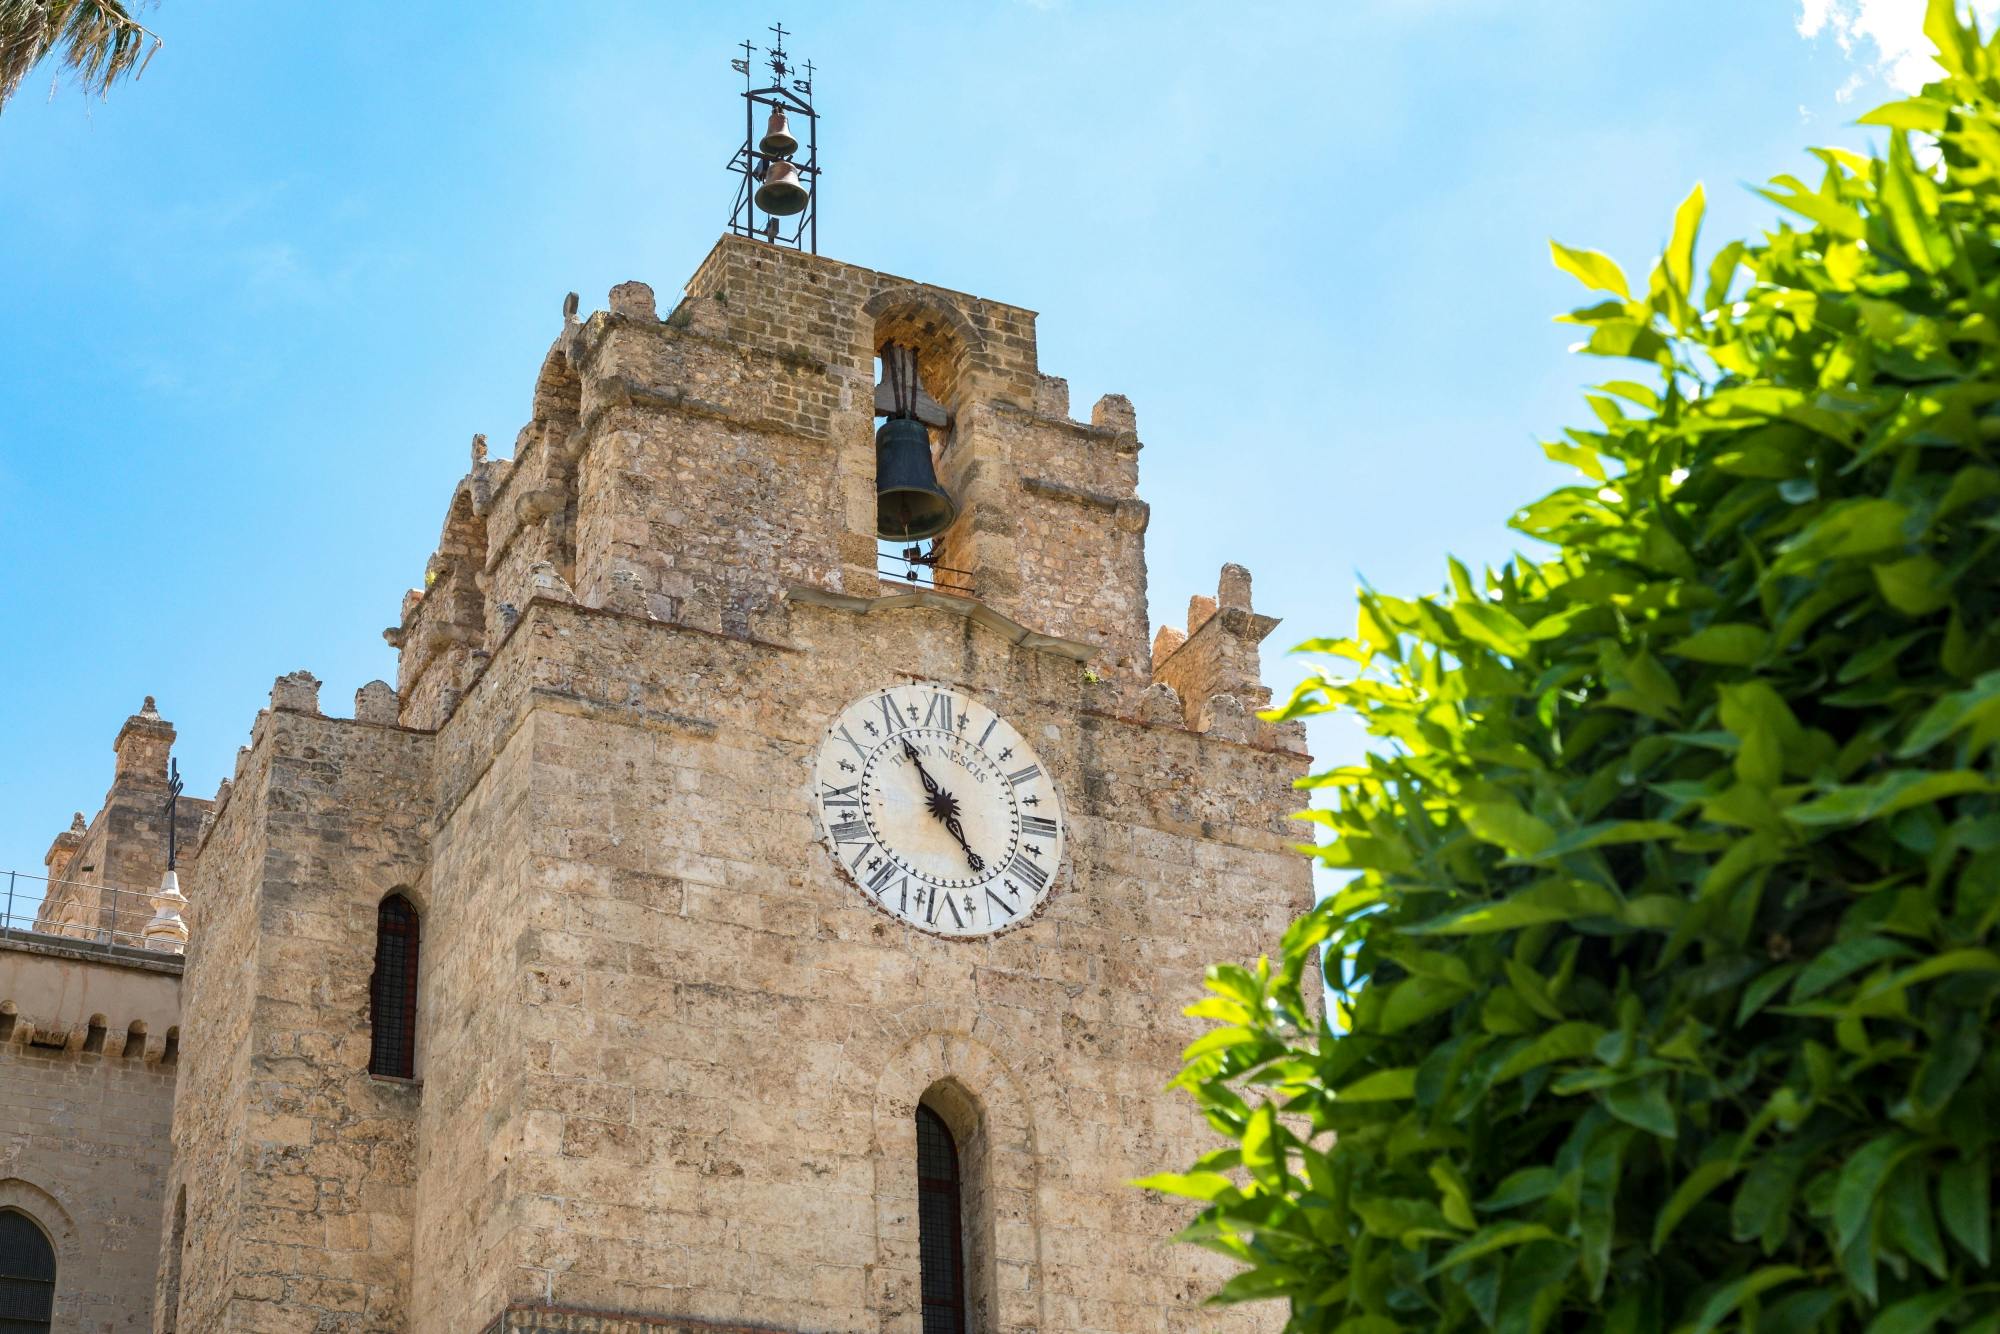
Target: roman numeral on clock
x=939, y=712
x=850, y=830
x=839, y=796
x=1038, y=825
x=1020, y=776
x=1023, y=869
x=944, y=896
x=892, y=719
x=1001, y=903
x=878, y=884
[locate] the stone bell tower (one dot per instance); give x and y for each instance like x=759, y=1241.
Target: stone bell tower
x=708, y=932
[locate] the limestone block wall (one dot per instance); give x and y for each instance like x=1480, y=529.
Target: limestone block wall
x=220, y=998
x=89, y=1045
x=691, y=468
x=297, y=1162
x=1053, y=531
x=672, y=1057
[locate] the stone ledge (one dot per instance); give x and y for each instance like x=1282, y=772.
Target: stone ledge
x=62, y=947
x=524, y=1319
x=978, y=612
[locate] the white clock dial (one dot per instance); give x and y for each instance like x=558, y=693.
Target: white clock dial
x=938, y=810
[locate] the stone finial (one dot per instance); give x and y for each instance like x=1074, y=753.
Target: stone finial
x=1160, y=704
x=1233, y=590
x=571, y=301
x=1199, y=610
x=506, y=616
x=1226, y=716
x=634, y=300
x=1165, y=642
x=376, y=703
x=167, y=932
x=298, y=691
x=1114, y=412
x=143, y=744
x=545, y=582
x=478, y=450
x=77, y=825
x=1052, y=396
x=627, y=593
x=412, y=599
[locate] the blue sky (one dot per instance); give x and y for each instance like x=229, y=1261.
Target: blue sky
x=260, y=300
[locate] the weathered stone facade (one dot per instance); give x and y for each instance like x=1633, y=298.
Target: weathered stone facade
x=668, y=1059
x=89, y=1036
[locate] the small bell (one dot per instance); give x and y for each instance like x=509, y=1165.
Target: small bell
x=909, y=504
x=778, y=140
x=782, y=193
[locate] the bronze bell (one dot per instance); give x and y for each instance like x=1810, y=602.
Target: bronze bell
x=909, y=503
x=782, y=193
x=778, y=140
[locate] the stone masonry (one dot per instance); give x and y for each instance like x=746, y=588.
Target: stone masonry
x=89, y=1036
x=667, y=1058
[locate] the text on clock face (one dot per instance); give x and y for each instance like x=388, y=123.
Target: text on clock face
x=938, y=809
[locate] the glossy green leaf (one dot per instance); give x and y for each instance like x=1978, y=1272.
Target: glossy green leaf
x=1914, y=1315
x=1862, y=1178
x=1697, y=1187
x=1965, y=1205
x=1593, y=270
x=1727, y=645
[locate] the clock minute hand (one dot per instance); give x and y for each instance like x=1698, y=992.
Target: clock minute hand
x=972, y=859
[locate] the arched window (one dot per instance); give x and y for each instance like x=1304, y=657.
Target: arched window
x=392, y=992
x=27, y=1275
x=941, y=1245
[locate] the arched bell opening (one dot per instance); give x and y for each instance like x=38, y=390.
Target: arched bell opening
x=922, y=354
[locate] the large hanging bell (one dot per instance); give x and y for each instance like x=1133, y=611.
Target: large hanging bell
x=778, y=140
x=782, y=194
x=909, y=503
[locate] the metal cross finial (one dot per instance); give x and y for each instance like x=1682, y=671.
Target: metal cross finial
x=778, y=65
x=743, y=66
x=173, y=803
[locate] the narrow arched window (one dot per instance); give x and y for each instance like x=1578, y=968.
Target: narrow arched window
x=941, y=1245
x=392, y=992
x=27, y=1275
x=170, y=1281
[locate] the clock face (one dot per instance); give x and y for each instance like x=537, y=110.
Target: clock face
x=938, y=810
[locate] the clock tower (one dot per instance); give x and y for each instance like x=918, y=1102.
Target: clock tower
x=712, y=931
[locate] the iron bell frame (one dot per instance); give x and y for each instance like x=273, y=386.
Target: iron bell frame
x=793, y=95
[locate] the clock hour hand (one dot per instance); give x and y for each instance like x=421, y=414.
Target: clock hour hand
x=930, y=784
x=943, y=806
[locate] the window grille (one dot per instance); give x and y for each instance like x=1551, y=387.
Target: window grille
x=939, y=1223
x=392, y=992
x=27, y=1276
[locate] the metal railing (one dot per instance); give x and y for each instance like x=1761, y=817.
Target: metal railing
x=914, y=567
x=108, y=914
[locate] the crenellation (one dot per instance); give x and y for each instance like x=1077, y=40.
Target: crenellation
x=297, y=691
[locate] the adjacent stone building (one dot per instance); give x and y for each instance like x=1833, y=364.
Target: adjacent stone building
x=549, y=991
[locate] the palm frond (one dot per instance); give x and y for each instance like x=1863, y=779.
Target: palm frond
x=97, y=41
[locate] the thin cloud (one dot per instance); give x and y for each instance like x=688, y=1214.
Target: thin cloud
x=1886, y=37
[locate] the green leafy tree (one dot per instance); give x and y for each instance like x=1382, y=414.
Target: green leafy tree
x=1665, y=977
x=97, y=41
